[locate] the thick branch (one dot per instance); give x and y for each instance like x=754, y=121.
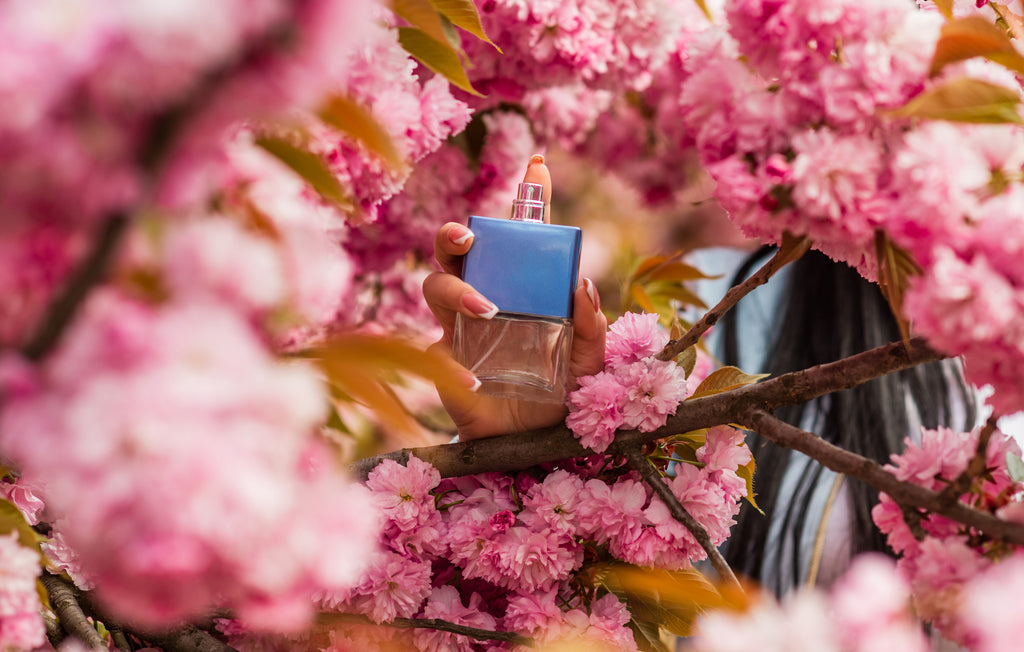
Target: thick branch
x=189, y=639
x=72, y=618
x=428, y=623
x=782, y=257
x=643, y=466
x=870, y=472
x=523, y=450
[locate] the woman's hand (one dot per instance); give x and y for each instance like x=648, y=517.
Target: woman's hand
x=477, y=415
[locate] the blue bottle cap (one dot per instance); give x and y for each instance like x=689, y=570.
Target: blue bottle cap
x=525, y=267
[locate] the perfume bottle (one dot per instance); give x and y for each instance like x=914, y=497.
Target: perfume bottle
x=529, y=270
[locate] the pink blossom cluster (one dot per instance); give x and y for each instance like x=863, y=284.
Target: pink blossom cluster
x=84, y=92
x=951, y=554
x=638, y=136
x=968, y=234
x=788, y=105
x=206, y=485
x=507, y=551
x=414, y=107
x=986, y=607
x=635, y=390
x=21, y=620
x=611, y=44
x=867, y=609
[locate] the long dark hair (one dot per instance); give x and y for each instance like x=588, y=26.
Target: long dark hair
x=828, y=312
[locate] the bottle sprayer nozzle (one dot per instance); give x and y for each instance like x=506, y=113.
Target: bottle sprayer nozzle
x=528, y=205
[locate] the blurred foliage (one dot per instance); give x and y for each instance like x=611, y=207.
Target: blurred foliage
x=974, y=36
x=656, y=285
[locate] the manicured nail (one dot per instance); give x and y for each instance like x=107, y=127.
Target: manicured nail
x=595, y=299
x=478, y=305
x=471, y=382
x=459, y=235
x=536, y=158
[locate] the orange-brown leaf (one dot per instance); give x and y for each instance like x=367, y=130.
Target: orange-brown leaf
x=724, y=379
x=974, y=36
x=348, y=116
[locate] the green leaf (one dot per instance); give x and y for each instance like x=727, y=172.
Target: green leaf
x=435, y=55
x=685, y=446
x=681, y=293
x=348, y=116
x=724, y=379
x=311, y=167
x=1015, y=467
x=687, y=359
x=464, y=14
x=747, y=473
x=895, y=267
x=963, y=99
x=676, y=271
x=421, y=14
x=12, y=520
x=974, y=36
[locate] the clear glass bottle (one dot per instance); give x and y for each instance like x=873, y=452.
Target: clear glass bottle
x=529, y=270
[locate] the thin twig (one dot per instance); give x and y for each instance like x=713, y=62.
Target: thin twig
x=64, y=600
x=90, y=272
x=164, y=128
x=912, y=517
x=428, y=623
x=785, y=255
x=643, y=466
x=978, y=464
x=872, y=473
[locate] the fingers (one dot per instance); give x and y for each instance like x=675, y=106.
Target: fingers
x=453, y=240
x=537, y=172
x=589, y=329
x=447, y=295
x=451, y=243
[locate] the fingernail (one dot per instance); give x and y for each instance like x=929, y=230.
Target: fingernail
x=471, y=382
x=459, y=235
x=478, y=305
x=595, y=300
x=536, y=158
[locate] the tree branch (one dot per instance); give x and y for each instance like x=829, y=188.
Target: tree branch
x=654, y=480
x=163, y=130
x=89, y=273
x=785, y=255
x=427, y=623
x=73, y=620
x=872, y=473
x=522, y=450
x=189, y=639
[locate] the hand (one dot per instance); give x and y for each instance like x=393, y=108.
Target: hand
x=477, y=415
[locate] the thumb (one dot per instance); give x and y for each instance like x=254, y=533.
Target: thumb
x=589, y=329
